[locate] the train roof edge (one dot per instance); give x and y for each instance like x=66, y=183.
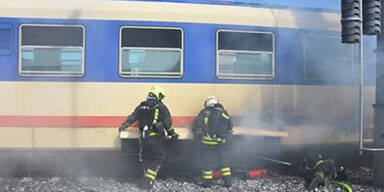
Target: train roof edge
x=325, y=5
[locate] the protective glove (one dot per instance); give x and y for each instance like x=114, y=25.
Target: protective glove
x=121, y=129
x=173, y=134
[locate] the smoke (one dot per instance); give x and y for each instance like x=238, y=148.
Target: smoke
x=66, y=163
x=320, y=105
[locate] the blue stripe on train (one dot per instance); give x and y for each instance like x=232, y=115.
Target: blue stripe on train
x=102, y=40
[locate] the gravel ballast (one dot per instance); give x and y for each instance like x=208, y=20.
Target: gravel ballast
x=271, y=182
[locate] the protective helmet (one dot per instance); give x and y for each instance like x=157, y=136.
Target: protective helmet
x=211, y=101
x=158, y=92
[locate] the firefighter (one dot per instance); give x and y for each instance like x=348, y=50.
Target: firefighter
x=154, y=120
x=318, y=171
x=212, y=127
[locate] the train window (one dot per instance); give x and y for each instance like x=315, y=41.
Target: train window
x=52, y=50
x=151, y=52
x=244, y=55
x=6, y=38
x=326, y=58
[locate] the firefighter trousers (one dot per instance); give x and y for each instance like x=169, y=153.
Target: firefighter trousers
x=153, y=153
x=215, y=157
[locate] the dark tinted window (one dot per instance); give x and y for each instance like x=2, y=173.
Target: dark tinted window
x=151, y=52
x=245, y=41
x=52, y=35
x=148, y=37
x=245, y=55
x=51, y=50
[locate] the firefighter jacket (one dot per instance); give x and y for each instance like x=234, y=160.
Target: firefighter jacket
x=213, y=124
x=153, y=118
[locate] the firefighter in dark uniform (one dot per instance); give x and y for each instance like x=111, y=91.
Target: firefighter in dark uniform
x=154, y=120
x=318, y=171
x=212, y=126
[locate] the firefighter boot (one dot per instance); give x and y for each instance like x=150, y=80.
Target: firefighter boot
x=316, y=181
x=207, y=183
x=227, y=181
x=146, y=184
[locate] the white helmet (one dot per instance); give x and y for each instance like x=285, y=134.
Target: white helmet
x=211, y=101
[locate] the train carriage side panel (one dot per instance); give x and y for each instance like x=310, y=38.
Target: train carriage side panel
x=62, y=112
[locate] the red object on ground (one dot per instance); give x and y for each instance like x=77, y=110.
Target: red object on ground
x=256, y=173
x=216, y=174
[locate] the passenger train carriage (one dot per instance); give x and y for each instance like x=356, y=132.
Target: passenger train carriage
x=71, y=71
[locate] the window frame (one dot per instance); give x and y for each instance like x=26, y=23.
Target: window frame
x=156, y=75
x=305, y=75
x=242, y=76
x=51, y=73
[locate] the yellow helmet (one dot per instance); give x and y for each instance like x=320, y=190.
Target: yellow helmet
x=158, y=92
